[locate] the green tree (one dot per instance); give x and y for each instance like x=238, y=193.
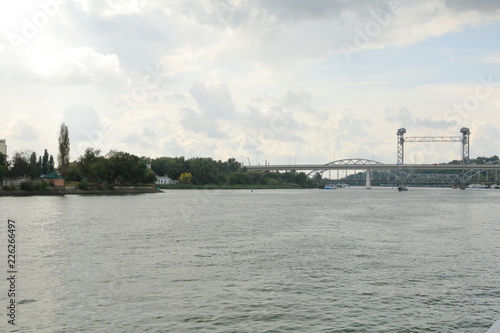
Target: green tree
x=63, y=157
x=39, y=166
x=85, y=161
x=73, y=172
x=45, y=162
x=186, y=178
x=100, y=171
x=172, y=167
x=127, y=168
x=204, y=170
x=233, y=165
x=50, y=165
x=20, y=164
x=34, y=174
x=239, y=177
x=317, y=176
x=124, y=166
x=3, y=166
x=301, y=179
x=289, y=177
x=149, y=177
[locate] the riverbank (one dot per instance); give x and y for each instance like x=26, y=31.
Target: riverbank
x=53, y=192
x=141, y=190
x=229, y=187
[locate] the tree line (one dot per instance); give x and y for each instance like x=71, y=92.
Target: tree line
x=118, y=167
x=29, y=164
x=207, y=171
x=26, y=164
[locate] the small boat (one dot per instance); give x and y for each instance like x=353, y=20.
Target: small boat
x=402, y=188
x=478, y=186
x=330, y=187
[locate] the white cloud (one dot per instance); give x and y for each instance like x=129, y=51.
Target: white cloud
x=75, y=66
x=264, y=79
x=108, y=8
x=492, y=59
x=485, y=139
x=23, y=127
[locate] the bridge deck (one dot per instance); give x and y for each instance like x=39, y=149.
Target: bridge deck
x=405, y=167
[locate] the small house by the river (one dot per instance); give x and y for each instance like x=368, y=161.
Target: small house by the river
x=165, y=180
x=54, y=179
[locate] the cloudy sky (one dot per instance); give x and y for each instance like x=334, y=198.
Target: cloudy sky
x=300, y=81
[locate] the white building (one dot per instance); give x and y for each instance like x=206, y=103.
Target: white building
x=3, y=146
x=165, y=180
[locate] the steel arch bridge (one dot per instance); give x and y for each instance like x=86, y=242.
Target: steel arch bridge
x=466, y=176
x=346, y=161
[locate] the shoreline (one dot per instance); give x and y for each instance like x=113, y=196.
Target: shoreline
x=133, y=191
x=21, y=193
x=229, y=187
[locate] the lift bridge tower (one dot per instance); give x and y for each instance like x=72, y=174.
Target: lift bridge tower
x=464, y=139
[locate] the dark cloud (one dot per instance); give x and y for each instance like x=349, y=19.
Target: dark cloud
x=216, y=114
x=405, y=118
x=215, y=105
x=140, y=141
x=200, y=122
x=219, y=13
x=223, y=13
x=171, y=147
x=431, y=123
x=295, y=99
x=275, y=123
x=298, y=9
x=349, y=126
x=147, y=133
x=214, y=100
x=478, y=5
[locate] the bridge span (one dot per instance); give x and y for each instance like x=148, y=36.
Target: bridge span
x=463, y=173
x=459, y=174
x=402, y=167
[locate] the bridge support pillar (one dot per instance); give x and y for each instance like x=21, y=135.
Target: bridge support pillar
x=368, y=179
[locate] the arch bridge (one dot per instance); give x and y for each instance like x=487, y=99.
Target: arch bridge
x=405, y=173
x=402, y=173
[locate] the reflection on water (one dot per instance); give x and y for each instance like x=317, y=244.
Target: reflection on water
x=349, y=260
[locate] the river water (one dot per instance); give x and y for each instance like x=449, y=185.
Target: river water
x=345, y=260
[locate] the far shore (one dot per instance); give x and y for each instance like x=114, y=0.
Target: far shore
x=229, y=187
x=130, y=190
x=55, y=192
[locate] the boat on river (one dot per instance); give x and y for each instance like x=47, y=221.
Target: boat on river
x=478, y=186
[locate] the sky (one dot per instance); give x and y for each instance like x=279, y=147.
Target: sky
x=276, y=81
